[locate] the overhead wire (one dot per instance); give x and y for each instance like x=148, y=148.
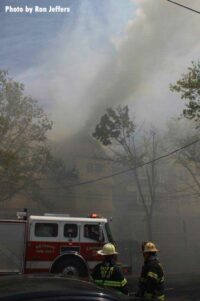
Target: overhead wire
x=107, y=198
x=183, y=6
x=122, y=171
x=132, y=168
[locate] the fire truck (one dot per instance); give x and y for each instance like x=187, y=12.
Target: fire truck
x=52, y=243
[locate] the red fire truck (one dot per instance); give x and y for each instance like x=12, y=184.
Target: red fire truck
x=52, y=243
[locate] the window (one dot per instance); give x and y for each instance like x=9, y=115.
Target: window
x=46, y=229
x=109, y=233
x=92, y=232
x=70, y=230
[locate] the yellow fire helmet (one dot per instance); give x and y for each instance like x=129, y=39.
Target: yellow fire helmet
x=150, y=247
x=108, y=249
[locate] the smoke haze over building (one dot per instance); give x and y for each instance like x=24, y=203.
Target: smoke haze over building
x=101, y=54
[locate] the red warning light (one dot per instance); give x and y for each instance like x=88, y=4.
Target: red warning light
x=94, y=215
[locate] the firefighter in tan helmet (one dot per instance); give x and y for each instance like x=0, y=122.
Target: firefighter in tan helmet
x=108, y=273
x=151, y=281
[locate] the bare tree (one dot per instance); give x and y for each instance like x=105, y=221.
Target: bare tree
x=118, y=131
x=182, y=132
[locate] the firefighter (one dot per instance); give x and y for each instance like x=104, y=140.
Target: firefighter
x=108, y=273
x=151, y=281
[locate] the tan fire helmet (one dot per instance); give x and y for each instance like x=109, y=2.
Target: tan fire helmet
x=108, y=249
x=150, y=247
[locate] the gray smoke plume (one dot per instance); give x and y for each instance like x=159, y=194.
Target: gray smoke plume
x=160, y=43
x=83, y=74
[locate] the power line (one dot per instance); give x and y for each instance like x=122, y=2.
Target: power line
x=123, y=171
x=186, y=7
x=106, y=198
x=132, y=168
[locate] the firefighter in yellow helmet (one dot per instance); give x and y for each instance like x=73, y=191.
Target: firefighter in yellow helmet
x=151, y=281
x=108, y=273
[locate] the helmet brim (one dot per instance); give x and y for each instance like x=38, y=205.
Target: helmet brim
x=151, y=251
x=100, y=252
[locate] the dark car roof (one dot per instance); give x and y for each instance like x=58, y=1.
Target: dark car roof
x=32, y=285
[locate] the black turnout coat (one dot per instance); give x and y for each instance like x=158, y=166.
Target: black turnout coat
x=109, y=274
x=151, y=281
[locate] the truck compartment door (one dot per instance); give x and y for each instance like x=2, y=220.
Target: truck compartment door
x=12, y=246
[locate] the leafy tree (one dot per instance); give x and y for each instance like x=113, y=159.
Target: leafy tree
x=115, y=125
x=25, y=157
x=189, y=88
x=52, y=188
x=116, y=129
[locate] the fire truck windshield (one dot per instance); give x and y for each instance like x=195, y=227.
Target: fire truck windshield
x=109, y=234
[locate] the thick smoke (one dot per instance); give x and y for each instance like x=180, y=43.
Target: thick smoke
x=85, y=72
x=159, y=45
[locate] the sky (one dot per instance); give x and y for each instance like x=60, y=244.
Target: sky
x=102, y=53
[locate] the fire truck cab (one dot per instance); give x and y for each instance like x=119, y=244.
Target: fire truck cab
x=54, y=243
